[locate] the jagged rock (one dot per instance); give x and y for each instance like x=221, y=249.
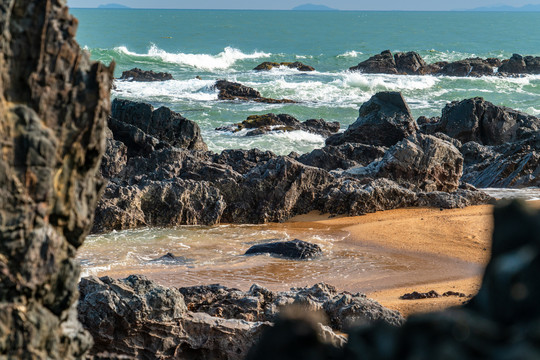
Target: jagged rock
x=163, y=124
x=267, y=65
x=137, y=74
x=294, y=249
x=423, y=161
x=483, y=122
x=137, y=317
x=382, y=63
x=415, y=295
x=242, y=161
x=384, y=120
x=410, y=63
x=342, y=309
x=263, y=124
x=343, y=156
x=115, y=157
x=54, y=104
x=235, y=91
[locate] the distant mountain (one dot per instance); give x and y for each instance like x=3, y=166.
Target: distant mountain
x=113, y=6
x=529, y=7
x=313, y=7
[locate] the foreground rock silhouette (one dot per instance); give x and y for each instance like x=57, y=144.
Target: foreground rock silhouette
x=53, y=110
x=501, y=322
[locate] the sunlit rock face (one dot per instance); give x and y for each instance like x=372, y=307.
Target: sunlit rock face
x=53, y=107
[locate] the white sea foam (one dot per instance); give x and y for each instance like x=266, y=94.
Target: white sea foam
x=172, y=90
x=380, y=82
x=529, y=194
x=351, y=54
x=224, y=60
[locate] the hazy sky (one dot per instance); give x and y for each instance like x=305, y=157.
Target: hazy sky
x=288, y=4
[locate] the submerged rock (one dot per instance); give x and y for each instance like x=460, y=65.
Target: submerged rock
x=137, y=74
x=170, y=258
x=291, y=65
x=235, y=91
x=294, y=249
x=262, y=124
x=54, y=103
x=384, y=120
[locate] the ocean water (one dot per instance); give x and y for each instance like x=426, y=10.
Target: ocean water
x=229, y=44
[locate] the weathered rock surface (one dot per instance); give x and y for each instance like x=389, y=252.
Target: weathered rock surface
x=138, y=318
x=342, y=309
x=267, y=65
x=343, y=156
x=53, y=110
x=262, y=124
x=384, y=120
x=411, y=63
x=293, y=249
x=137, y=74
x=163, y=124
x=483, y=122
x=501, y=322
x=235, y=91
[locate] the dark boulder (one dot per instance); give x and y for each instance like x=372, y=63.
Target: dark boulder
x=54, y=103
x=515, y=65
x=262, y=124
x=163, y=123
x=483, y=122
x=410, y=63
x=291, y=65
x=170, y=258
x=137, y=74
x=468, y=67
x=294, y=249
x=382, y=63
x=235, y=91
x=384, y=120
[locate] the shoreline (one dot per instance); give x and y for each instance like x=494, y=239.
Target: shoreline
x=417, y=249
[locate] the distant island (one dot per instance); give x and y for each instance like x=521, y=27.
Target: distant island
x=313, y=7
x=113, y=6
x=529, y=7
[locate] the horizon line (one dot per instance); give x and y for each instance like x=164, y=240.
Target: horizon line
x=315, y=11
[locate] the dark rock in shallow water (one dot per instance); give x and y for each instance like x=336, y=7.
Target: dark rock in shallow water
x=384, y=120
x=468, y=67
x=294, y=249
x=170, y=258
x=291, y=65
x=483, y=122
x=410, y=63
x=382, y=63
x=263, y=124
x=137, y=74
x=54, y=103
x=235, y=91
x=518, y=64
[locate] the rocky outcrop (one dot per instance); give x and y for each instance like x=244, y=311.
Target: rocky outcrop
x=267, y=65
x=294, y=249
x=518, y=64
x=343, y=156
x=138, y=318
x=382, y=63
x=54, y=105
x=262, y=124
x=483, y=122
x=137, y=74
x=235, y=91
x=500, y=322
x=342, y=309
x=411, y=63
x=163, y=124
x=384, y=120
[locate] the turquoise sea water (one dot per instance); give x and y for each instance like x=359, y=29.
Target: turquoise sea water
x=228, y=44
